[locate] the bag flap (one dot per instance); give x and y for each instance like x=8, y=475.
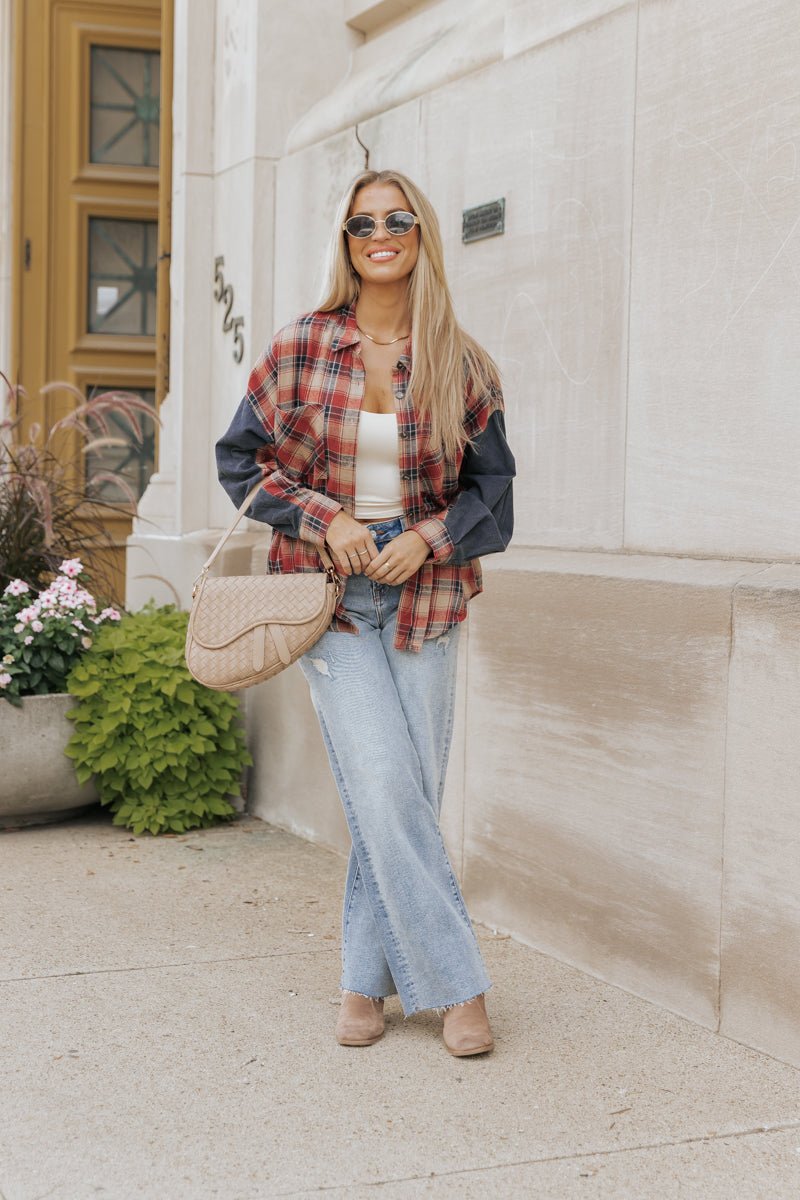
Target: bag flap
x=227, y=608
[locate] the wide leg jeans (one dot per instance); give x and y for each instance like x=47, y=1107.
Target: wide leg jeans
x=386, y=717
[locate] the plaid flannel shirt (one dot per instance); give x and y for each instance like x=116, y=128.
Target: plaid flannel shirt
x=297, y=427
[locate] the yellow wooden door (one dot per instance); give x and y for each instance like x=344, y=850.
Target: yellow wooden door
x=88, y=140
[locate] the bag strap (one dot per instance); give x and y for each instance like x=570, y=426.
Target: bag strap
x=327, y=561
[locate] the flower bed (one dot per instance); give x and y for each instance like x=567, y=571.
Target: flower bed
x=44, y=634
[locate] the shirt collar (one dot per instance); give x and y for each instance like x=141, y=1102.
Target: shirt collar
x=348, y=334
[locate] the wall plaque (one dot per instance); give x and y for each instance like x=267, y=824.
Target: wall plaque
x=487, y=220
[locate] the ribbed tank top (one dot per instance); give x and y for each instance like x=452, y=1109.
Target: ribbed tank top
x=378, y=487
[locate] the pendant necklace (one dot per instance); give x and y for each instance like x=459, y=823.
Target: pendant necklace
x=375, y=340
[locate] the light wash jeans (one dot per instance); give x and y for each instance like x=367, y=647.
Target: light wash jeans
x=387, y=720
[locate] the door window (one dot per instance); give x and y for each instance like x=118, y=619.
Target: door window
x=124, y=458
x=125, y=104
x=122, y=276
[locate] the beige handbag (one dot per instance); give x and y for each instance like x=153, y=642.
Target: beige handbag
x=246, y=628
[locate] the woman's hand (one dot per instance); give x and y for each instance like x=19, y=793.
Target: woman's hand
x=352, y=545
x=399, y=559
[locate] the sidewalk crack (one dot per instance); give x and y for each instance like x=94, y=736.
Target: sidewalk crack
x=191, y=962
x=756, y=1130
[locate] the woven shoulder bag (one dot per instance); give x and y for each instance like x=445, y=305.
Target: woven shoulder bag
x=246, y=628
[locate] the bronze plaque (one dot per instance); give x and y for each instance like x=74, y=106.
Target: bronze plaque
x=487, y=220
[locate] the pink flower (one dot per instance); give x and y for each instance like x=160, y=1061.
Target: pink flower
x=37, y=626
x=17, y=587
x=28, y=639
x=109, y=614
x=71, y=567
x=5, y=679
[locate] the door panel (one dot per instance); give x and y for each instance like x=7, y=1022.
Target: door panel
x=88, y=141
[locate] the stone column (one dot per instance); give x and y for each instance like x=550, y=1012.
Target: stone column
x=245, y=71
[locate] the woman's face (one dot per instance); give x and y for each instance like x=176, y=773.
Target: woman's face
x=382, y=257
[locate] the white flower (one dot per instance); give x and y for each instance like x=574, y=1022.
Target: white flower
x=5, y=679
x=86, y=642
x=28, y=639
x=18, y=628
x=37, y=626
x=109, y=614
x=17, y=587
x=71, y=567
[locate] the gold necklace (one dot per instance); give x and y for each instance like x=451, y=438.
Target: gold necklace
x=375, y=340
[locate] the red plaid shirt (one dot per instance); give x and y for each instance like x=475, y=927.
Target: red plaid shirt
x=298, y=425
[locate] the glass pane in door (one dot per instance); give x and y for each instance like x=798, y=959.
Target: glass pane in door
x=125, y=104
x=114, y=471
x=122, y=276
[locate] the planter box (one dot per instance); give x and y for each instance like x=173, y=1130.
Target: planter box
x=37, y=781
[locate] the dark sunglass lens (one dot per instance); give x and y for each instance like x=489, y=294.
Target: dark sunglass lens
x=400, y=222
x=360, y=227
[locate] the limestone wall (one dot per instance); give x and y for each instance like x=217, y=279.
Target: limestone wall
x=623, y=784
x=244, y=72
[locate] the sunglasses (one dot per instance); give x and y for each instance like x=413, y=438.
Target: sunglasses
x=397, y=223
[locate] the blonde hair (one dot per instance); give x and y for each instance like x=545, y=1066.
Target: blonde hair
x=444, y=355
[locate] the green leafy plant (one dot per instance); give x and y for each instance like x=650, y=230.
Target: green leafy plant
x=43, y=636
x=165, y=751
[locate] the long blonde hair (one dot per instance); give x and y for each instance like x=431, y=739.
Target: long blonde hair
x=444, y=355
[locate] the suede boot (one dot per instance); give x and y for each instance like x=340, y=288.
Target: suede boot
x=360, y=1021
x=466, y=1028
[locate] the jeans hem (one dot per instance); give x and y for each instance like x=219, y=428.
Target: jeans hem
x=441, y=1009
x=366, y=995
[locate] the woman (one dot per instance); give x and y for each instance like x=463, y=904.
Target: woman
x=377, y=425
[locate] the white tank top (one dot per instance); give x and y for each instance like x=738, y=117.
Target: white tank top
x=378, y=487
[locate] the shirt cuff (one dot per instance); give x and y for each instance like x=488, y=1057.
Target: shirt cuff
x=434, y=532
x=318, y=512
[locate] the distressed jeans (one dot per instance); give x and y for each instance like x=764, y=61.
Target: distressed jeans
x=387, y=720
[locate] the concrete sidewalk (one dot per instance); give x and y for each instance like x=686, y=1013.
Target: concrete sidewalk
x=168, y=1008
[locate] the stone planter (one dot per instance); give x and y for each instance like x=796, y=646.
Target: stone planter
x=37, y=780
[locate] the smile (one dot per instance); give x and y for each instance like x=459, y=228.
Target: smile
x=380, y=255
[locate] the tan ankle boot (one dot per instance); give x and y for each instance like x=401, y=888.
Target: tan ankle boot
x=466, y=1028
x=360, y=1021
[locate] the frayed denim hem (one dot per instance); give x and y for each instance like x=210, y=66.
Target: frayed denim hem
x=350, y=992
x=441, y=1010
